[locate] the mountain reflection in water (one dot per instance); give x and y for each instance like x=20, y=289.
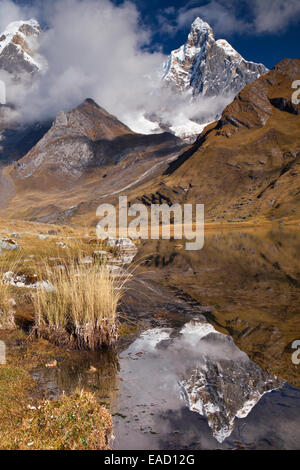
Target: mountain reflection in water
x=197, y=366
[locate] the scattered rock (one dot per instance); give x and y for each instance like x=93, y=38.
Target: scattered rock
x=117, y=271
x=27, y=281
x=101, y=254
x=86, y=260
x=9, y=244
x=16, y=235
x=62, y=245
x=121, y=243
x=43, y=237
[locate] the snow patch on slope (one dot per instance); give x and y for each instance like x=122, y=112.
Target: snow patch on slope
x=187, y=129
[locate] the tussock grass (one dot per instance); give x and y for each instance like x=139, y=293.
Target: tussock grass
x=5, y=306
x=7, y=317
x=81, y=311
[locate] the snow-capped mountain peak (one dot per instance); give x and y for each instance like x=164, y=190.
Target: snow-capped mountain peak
x=24, y=29
x=206, y=67
x=18, y=44
x=177, y=68
x=200, y=27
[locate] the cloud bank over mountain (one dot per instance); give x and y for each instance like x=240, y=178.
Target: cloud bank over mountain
x=96, y=49
x=93, y=49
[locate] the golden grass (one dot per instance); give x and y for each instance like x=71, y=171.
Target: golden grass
x=4, y=304
x=81, y=312
x=75, y=422
x=82, y=308
x=7, y=320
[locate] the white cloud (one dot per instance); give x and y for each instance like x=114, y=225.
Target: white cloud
x=10, y=11
x=275, y=15
x=94, y=49
x=99, y=50
x=220, y=16
x=264, y=16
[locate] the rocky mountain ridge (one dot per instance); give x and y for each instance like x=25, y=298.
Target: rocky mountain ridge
x=208, y=67
x=86, y=137
x=18, y=49
x=247, y=163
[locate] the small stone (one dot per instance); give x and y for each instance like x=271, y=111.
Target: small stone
x=52, y=364
x=9, y=244
x=43, y=237
x=62, y=245
x=16, y=235
x=86, y=260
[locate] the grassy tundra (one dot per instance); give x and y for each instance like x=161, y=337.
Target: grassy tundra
x=79, y=307
x=78, y=311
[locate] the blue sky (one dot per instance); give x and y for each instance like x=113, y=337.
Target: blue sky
x=261, y=30
x=267, y=34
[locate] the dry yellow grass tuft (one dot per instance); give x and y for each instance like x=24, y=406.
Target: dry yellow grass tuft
x=81, y=309
x=4, y=304
x=7, y=319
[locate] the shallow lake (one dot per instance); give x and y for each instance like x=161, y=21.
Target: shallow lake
x=185, y=382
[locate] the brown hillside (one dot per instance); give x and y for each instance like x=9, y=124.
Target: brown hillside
x=86, y=155
x=247, y=164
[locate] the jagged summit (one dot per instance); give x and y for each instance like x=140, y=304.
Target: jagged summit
x=18, y=48
x=200, y=27
x=92, y=120
x=204, y=66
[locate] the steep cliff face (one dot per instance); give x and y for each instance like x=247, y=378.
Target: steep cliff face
x=208, y=73
x=206, y=67
x=203, y=67
x=18, y=49
x=194, y=366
